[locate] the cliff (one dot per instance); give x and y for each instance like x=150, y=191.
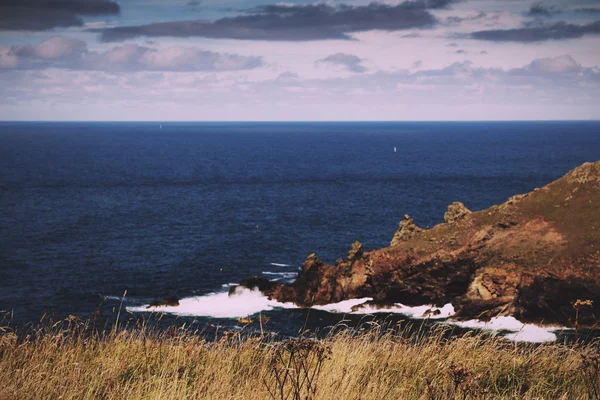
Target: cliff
x=531, y=257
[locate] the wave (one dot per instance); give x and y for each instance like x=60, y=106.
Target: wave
x=117, y=298
x=343, y=307
x=361, y=306
x=284, y=274
x=513, y=329
x=281, y=265
x=243, y=302
x=418, y=312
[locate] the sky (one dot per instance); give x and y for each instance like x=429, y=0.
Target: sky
x=262, y=60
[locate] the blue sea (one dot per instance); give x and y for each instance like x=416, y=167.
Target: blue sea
x=90, y=210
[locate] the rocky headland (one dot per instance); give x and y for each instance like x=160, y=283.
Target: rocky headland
x=532, y=257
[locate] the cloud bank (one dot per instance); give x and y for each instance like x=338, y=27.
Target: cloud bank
x=66, y=53
x=294, y=22
x=528, y=34
x=41, y=15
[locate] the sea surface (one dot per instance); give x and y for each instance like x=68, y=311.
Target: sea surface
x=90, y=210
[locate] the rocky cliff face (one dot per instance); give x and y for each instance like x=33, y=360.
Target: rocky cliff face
x=532, y=257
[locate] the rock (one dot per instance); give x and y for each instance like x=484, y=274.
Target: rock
x=456, y=212
x=516, y=198
x=525, y=258
x=311, y=261
x=170, y=301
x=407, y=230
x=586, y=173
x=255, y=282
x=431, y=313
x=355, y=253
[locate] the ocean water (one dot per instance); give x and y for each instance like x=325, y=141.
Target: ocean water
x=89, y=210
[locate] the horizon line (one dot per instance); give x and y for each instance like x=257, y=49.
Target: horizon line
x=296, y=121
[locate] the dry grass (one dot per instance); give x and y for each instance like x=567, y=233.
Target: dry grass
x=70, y=361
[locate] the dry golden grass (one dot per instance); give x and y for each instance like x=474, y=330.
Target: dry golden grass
x=66, y=361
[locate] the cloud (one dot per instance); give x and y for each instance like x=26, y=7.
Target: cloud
x=41, y=15
x=562, y=64
x=542, y=89
x=294, y=22
x=349, y=61
x=539, y=10
x=411, y=35
x=588, y=10
x=528, y=34
x=61, y=52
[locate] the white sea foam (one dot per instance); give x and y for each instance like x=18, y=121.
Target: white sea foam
x=513, y=329
x=281, y=265
x=418, y=312
x=246, y=302
x=343, y=307
x=283, y=274
x=242, y=303
x=358, y=306
x=227, y=285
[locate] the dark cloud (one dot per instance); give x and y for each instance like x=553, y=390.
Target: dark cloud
x=556, y=31
x=349, y=61
x=454, y=20
x=539, y=10
x=193, y=5
x=294, y=22
x=588, y=10
x=65, y=53
x=41, y=15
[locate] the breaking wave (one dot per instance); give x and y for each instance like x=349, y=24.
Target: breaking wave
x=244, y=302
x=361, y=306
x=512, y=329
x=241, y=303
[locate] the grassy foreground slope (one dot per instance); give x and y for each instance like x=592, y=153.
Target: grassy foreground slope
x=64, y=363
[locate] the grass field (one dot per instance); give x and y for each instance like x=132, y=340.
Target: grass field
x=68, y=360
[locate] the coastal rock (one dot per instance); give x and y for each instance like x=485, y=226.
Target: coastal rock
x=355, y=253
x=456, y=212
x=170, y=301
x=407, y=230
x=532, y=257
x=253, y=283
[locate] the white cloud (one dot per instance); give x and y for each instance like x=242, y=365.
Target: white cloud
x=461, y=90
x=562, y=64
x=67, y=53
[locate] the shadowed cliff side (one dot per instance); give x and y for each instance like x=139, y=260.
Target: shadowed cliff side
x=531, y=257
